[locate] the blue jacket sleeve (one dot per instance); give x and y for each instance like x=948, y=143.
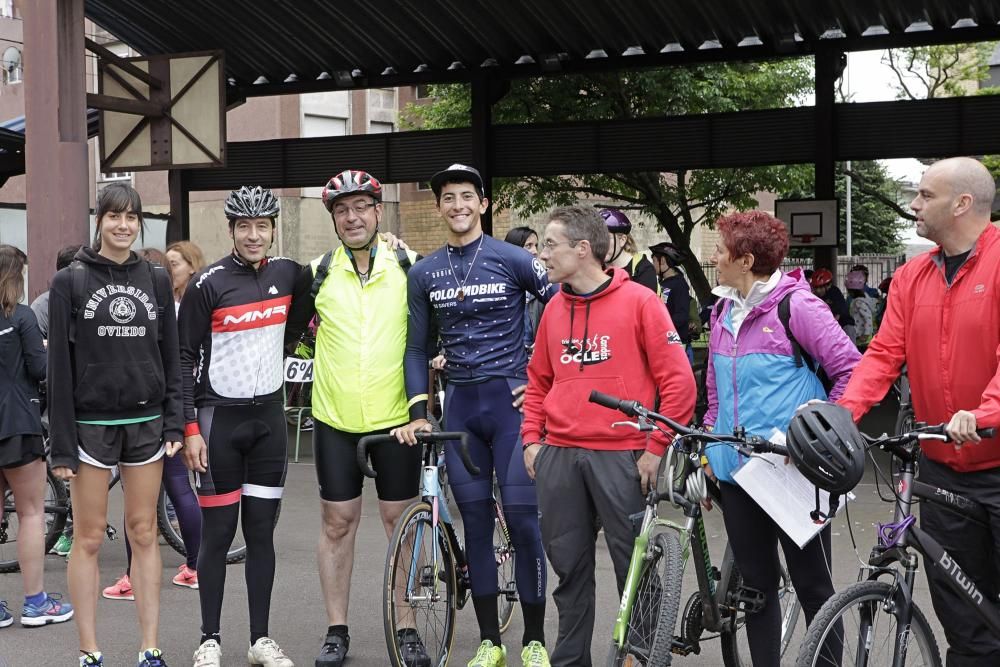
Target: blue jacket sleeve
x=418, y=333
x=532, y=277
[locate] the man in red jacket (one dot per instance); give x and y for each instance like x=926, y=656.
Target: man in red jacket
x=943, y=322
x=604, y=332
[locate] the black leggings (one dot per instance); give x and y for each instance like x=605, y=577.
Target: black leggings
x=258, y=533
x=754, y=537
x=246, y=472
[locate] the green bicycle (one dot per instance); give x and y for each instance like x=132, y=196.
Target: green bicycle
x=644, y=626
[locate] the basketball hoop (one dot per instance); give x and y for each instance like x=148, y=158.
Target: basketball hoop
x=803, y=239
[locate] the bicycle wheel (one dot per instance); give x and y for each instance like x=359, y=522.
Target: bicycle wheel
x=298, y=396
x=504, y=552
x=56, y=509
x=735, y=648
x=419, y=586
x=166, y=520
x=650, y=632
x=858, y=617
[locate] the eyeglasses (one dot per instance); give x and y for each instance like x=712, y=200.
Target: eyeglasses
x=552, y=245
x=359, y=209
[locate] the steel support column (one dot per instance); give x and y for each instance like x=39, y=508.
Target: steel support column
x=179, y=222
x=829, y=65
x=482, y=154
x=55, y=94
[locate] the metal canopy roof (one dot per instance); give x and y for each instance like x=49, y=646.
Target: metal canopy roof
x=292, y=46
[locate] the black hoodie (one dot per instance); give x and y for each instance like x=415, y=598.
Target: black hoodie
x=119, y=367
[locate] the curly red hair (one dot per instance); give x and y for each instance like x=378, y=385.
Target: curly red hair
x=755, y=233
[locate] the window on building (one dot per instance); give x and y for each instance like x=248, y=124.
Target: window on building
x=12, y=68
x=108, y=176
x=314, y=125
x=380, y=127
x=423, y=91
x=7, y=8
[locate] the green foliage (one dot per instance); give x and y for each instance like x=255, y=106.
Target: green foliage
x=875, y=227
x=945, y=70
x=680, y=200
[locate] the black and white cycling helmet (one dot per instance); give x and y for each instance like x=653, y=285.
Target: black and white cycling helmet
x=252, y=202
x=351, y=182
x=827, y=447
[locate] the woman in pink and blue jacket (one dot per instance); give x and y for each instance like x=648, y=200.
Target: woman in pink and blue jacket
x=755, y=381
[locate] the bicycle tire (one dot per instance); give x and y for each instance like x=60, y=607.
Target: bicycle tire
x=735, y=651
x=873, y=594
x=503, y=550
x=905, y=421
x=172, y=536
x=416, y=524
x=56, y=510
x=657, y=600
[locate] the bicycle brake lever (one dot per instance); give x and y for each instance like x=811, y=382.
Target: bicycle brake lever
x=636, y=425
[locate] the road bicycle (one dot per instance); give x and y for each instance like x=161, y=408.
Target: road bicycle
x=876, y=619
x=426, y=577
x=644, y=626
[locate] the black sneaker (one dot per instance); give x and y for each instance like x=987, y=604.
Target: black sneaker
x=334, y=651
x=411, y=648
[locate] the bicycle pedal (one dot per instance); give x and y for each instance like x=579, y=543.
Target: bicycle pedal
x=682, y=648
x=749, y=600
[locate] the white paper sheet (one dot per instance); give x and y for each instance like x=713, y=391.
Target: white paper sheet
x=785, y=494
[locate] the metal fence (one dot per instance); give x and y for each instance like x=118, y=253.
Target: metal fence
x=879, y=267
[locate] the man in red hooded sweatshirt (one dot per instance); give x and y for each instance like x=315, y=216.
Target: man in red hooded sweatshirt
x=604, y=332
x=943, y=322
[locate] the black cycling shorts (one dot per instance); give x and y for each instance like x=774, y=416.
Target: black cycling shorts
x=105, y=446
x=398, y=466
x=247, y=453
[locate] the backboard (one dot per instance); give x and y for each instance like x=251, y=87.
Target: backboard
x=811, y=222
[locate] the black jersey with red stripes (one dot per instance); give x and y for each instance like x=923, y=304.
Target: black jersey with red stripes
x=231, y=326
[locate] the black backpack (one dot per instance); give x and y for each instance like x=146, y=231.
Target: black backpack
x=78, y=295
x=324, y=268
x=800, y=355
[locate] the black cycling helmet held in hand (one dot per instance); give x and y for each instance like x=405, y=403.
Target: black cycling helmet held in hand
x=351, y=182
x=827, y=447
x=251, y=202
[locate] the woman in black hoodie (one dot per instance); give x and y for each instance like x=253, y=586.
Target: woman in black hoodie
x=115, y=399
x=22, y=453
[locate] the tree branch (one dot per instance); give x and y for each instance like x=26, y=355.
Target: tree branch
x=862, y=185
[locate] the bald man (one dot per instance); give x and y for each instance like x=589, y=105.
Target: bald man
x=943, y=321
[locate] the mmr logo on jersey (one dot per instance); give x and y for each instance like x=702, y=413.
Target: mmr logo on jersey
x=251, y=315
x=256, y=315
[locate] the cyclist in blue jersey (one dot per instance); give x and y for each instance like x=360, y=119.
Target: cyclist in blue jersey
x=474, y=289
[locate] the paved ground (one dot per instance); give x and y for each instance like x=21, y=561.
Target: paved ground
x=297, y=619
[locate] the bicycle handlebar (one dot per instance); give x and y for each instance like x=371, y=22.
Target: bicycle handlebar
x=422, y=438
x=746, y=445
x=902, y=445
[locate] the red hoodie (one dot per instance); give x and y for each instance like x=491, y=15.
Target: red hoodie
x=630, y=350
x=949, y=338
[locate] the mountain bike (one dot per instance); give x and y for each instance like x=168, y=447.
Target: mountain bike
x=644, y=626
x=876, y=619
x=426, y=572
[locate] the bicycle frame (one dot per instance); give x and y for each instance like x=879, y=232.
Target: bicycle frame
x=431, y=493
x=694, y=525
x=895, y=540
